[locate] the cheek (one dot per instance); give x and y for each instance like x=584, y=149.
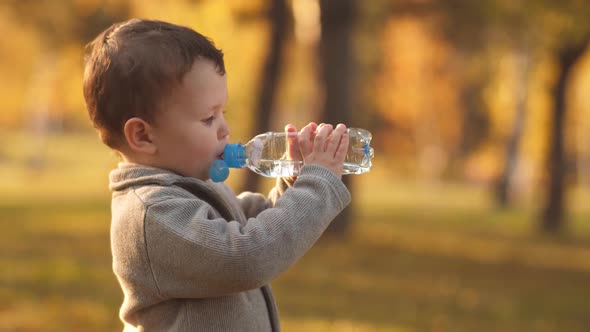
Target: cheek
x=201, y=144
x=178, y=140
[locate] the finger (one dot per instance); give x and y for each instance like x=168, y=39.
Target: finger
x=320, y=126
x=317, y=129
x=334, y=139
x=290, y=131
x=319, y=142
x=305, y=140
x=342, y=148
x=292, y=143
x=313, y=128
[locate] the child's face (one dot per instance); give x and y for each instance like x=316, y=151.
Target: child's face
x=191, y=132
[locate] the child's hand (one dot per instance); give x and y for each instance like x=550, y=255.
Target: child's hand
x=324, y=146
x=293, y=151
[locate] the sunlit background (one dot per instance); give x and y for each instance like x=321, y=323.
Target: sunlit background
x=475, y=216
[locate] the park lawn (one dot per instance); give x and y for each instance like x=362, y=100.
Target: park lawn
x=420, y=257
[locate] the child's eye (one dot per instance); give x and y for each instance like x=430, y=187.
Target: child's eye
x=208, y=121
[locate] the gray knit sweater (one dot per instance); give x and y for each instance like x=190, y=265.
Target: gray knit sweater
x=191, y=256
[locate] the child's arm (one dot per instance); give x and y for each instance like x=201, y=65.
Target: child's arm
x=193, y=254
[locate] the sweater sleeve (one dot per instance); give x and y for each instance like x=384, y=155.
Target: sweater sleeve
x=193, y=254
x=254, y=203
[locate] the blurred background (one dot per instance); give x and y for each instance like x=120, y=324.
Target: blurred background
x=475, y=216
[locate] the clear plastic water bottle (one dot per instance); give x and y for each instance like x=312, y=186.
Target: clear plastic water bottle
x=266, y=154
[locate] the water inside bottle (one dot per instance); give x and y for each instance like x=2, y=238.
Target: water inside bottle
x=284, y=168
x=277, y=168
x=353, y=168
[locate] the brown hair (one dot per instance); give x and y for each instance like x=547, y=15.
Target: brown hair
x=131, y=67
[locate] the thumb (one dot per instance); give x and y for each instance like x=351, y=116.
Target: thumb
x=293, y=150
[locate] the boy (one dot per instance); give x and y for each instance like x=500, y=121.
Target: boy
x=190, y=255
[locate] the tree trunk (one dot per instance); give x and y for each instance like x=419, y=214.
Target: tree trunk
x=475, y=120
x=269, y=84
x=505, y=180
x=583, y=158
x=552, y=215
x=337, y=69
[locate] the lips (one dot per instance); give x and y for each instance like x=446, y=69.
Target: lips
x=222, y=150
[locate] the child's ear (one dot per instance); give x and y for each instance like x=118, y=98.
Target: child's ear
x=138, y=134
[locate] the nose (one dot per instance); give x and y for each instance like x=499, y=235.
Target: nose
x=223, y=131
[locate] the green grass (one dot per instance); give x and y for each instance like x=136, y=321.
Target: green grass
x=419, y=258
x=58, y=263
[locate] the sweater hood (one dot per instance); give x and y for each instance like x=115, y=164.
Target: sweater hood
x=129, y=175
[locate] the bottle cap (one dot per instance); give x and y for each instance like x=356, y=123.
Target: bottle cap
x=219, y=171
x=234, y=155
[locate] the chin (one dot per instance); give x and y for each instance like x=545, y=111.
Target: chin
x=202, y=177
